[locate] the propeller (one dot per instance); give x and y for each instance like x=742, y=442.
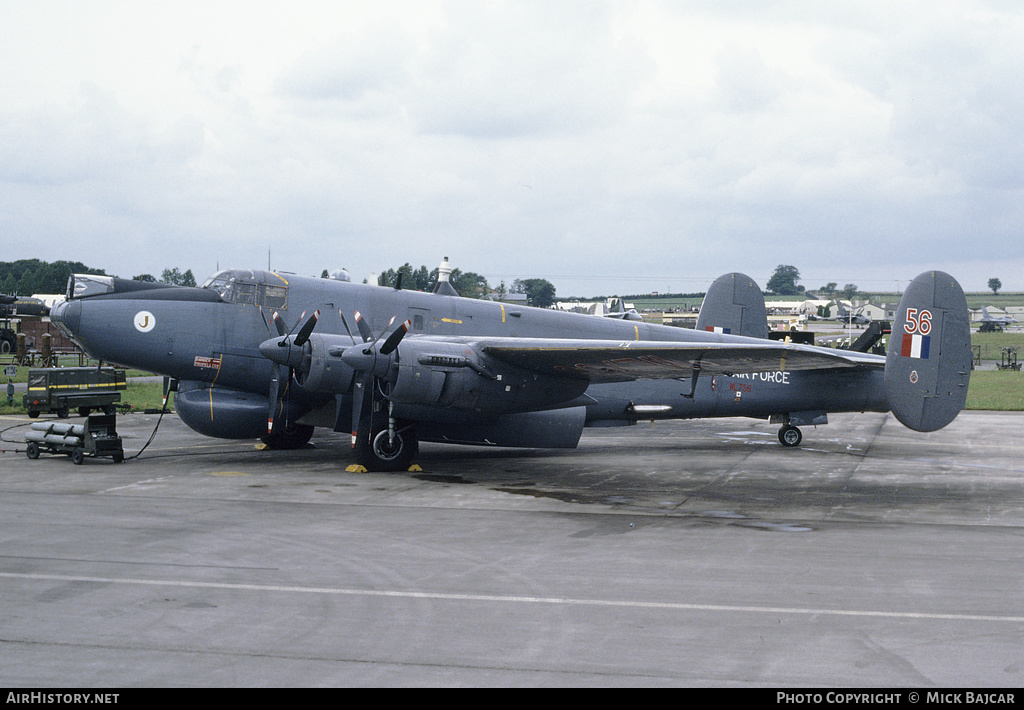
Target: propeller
x=292, y=358
x=372, y=361
x=371, y=364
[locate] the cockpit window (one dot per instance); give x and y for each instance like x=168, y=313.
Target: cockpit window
x=241, y=287
x=273, y=296
x=243, y=292
x=221, y=283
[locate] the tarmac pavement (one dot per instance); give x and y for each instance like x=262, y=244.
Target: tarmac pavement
x=688, y=553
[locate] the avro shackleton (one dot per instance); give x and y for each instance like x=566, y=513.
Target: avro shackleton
x=273, y=355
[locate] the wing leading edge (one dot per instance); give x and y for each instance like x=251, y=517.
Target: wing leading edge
x=621, y=361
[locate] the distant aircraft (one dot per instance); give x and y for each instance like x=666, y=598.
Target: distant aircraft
x=622, y=314
x=271, y=355
x=846, y=316
x=990, y=322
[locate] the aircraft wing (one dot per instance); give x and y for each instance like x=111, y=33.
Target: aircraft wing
x=619, y=361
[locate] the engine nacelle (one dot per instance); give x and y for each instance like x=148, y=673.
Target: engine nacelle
x=326, y=372
x=437, y=373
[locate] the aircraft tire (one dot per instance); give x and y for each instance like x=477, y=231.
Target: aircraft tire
x=284, y=439
x=378, y=454
x=790, y=436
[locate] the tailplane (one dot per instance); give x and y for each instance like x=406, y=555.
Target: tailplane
x=734, y=304
x=928, y=366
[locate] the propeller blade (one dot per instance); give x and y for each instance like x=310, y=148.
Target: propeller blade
x=306, y=329
x=364, y=328
x=361, y=383
x=347, y=329
x=275, y=381
x=395, y=338
x=279, y=324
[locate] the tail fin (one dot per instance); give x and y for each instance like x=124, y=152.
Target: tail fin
x=928, y=366
x=734, y=304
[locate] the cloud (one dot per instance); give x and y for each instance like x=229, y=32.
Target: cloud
x=638, y=142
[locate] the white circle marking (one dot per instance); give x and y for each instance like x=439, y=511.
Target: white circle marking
x=144, y=321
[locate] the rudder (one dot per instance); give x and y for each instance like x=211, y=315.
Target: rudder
x=928, y=365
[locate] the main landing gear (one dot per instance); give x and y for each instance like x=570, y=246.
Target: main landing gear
x=384, y=443
x=789, y=436
x=288, y=436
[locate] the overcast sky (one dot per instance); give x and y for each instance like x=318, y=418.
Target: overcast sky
x=609, y=147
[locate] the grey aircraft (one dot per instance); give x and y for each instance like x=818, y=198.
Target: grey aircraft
x=850, y=318
x=260, y=354
x=995, y=321
x=621, y=312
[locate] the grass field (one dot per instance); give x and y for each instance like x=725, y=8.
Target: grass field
x=999, y=390
x=992, y=344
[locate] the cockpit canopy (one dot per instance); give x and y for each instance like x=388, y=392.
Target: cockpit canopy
x=249, y=287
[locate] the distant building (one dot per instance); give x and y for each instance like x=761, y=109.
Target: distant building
x=514, y=298
x=593, y=308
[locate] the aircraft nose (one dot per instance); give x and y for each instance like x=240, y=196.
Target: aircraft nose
x=68, y=316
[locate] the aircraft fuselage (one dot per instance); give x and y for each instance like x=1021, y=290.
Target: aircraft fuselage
x=209, y=338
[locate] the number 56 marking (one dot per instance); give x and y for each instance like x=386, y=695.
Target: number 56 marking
x=919, y=322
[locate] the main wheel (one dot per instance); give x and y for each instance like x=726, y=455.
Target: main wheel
x=292, y=437
x=379, y=451
x=789, y=435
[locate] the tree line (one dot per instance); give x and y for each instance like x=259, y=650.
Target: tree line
x=29, y=276
x=538, y=292
x=784, y=283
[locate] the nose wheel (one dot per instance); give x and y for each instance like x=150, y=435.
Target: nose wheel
x=790, y=436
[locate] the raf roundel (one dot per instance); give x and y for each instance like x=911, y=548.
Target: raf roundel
x=144, y=321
